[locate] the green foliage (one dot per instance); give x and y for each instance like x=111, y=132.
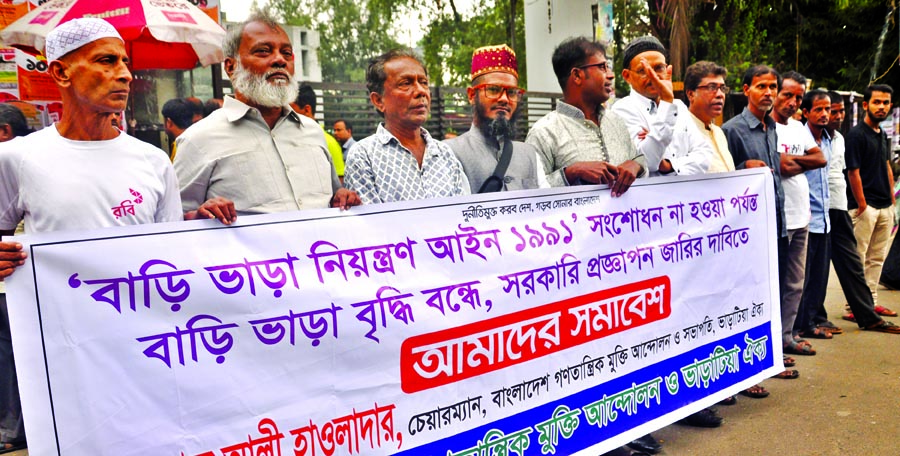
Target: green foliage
x=631, y=21
x=733, y=38
x=350, y=33
x=449, y=43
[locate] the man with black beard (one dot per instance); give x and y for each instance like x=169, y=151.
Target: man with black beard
x=490, y=158
x=871, y=195
x=256, y=155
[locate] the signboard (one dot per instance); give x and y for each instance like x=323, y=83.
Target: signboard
x=556, y=321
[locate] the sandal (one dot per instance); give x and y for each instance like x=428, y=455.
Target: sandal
x=885, y=312
x=730, y=400
x=788, y=374
x=831, y=328
x=789, y=362
x=800, y=348
x=885, y=327
x=849, y=317
x=758, y=392
x=816, y=334
x=10, y=447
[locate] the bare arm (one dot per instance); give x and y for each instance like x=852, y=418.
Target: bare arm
x=814, y=159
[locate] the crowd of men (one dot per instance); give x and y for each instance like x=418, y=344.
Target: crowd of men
x=261, y=151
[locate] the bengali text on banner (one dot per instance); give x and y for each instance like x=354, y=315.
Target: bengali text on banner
x=558, y=321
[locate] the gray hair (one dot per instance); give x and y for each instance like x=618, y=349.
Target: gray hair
x=375, y=74
x=232, y=41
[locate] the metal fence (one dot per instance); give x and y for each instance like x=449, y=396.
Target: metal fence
x=450, y=109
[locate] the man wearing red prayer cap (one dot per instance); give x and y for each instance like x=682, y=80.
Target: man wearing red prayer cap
x=491, y=159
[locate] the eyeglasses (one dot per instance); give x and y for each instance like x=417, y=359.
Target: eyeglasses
x=605, y=67
x=494, y=92
x=713, y=88
x=661, y=70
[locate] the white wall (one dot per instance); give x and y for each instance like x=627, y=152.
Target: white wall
x=544, y=31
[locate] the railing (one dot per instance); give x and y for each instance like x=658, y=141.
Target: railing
x=450, y=109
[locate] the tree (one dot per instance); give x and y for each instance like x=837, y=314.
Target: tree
x=350, y=33
x=449, y=43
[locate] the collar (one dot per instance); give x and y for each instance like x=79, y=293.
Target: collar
x=383, y=136
x=825, y=135
x=235, y=110
x=571, y=111
x=646, y=103
x=753, y=122
x=699, y=121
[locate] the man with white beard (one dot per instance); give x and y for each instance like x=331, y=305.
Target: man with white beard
x=256, y=155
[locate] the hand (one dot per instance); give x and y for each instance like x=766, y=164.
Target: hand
x=592, y=172
x=663, y=84
x=755, y=164
x=11, y=257
x=627, y=172
x=344, y=199
x=861, y=209
x=642, y=134
x=218, y=208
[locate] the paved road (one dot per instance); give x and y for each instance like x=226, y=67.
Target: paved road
x=845, y=403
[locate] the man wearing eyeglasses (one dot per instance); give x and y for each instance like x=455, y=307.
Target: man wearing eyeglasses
x=704, y=85
x=659, y=124
x=491, y=159
x=581, y=142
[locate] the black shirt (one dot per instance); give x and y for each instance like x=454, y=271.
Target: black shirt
x=869, y=152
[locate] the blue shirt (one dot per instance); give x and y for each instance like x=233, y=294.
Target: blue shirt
x=381, y=170
x=818, y=189
x=747, y=140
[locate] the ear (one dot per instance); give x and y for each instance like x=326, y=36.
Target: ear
x=865, y=106
x=471, y=93
x=377, y=101
x=229, y=66
x=59, y=71
x=307, y=111
x=6, y=133
x=746, y=89
x=169, y=124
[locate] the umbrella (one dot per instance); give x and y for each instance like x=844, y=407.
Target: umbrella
x=159, y=34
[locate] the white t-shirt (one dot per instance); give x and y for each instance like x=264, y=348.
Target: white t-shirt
x=56, y=184
x=794, y=140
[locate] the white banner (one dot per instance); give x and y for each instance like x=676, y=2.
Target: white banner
x=513, y=323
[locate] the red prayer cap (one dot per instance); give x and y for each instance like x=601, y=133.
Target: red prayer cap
x=489, y=59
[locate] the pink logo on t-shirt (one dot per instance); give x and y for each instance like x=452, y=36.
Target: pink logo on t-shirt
x=177, y=16
x=126, y=207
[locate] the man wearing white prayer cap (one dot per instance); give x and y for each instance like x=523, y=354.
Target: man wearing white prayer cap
x=82, y=172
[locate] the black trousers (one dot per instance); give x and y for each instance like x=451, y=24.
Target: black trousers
x=812, y=305
x=849, y=269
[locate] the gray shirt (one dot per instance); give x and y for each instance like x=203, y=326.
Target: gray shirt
x=233, y=154
x=480, y=155
x=747, y=140
x=565, y=136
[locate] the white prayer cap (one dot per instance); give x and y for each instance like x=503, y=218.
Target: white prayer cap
x=74, y=34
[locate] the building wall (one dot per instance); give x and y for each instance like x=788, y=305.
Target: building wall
x=548, y=23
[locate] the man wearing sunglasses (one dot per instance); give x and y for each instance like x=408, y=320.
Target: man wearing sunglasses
x=659, y=125
x=581, y=142
x=491, y=159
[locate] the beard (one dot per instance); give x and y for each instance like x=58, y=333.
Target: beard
x=879, y=119
x=499, y=126
x=258, y=89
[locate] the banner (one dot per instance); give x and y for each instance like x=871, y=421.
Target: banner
x=556, y=321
